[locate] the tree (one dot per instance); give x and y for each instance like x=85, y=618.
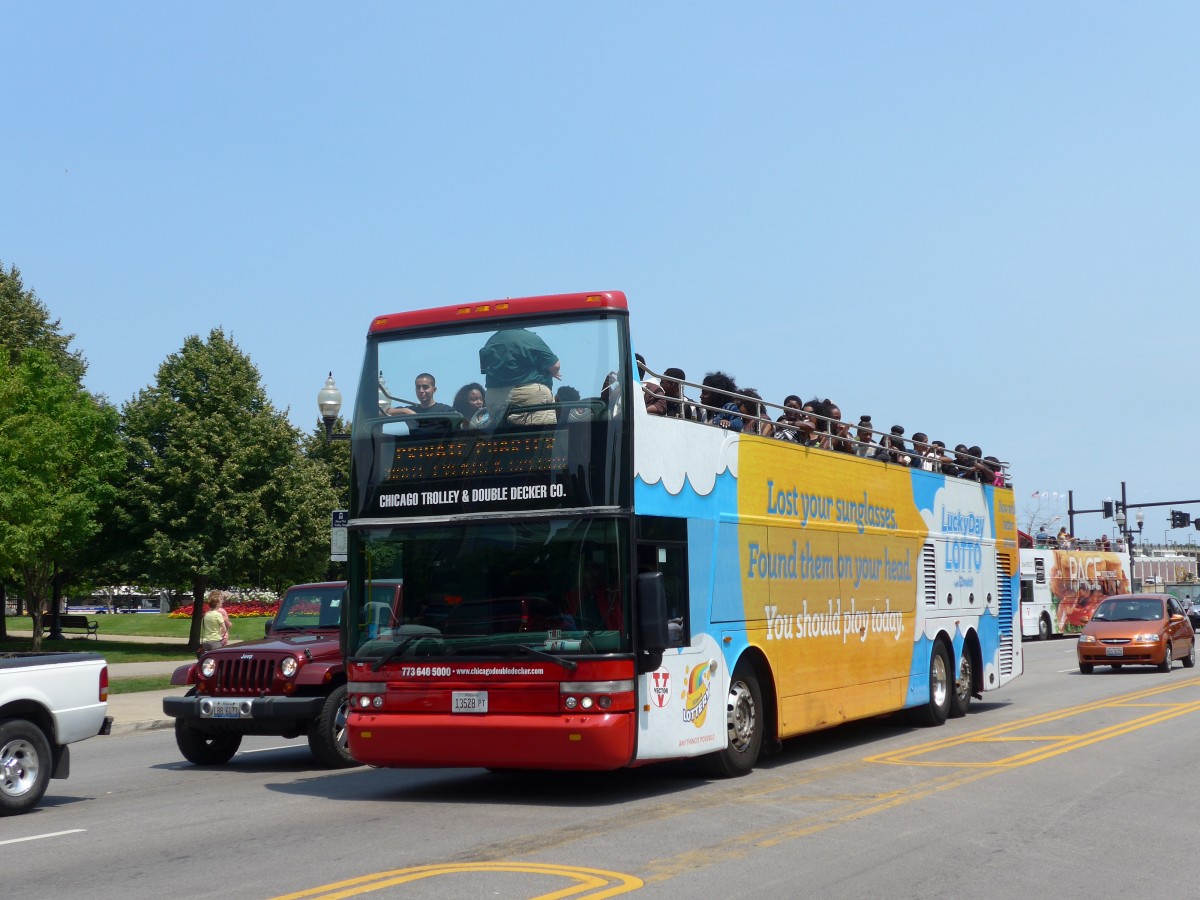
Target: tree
x=58, y=457
x=25, y=324
x=217, y=490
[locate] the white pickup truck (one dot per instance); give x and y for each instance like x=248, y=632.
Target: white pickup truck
x=47, y=702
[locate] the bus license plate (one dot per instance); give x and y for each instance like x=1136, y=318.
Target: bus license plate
x=1114, y=651
x=468, y=702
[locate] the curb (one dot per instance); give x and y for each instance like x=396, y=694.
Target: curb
x=145, y=725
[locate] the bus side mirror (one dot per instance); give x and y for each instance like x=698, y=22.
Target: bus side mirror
x=654, y=634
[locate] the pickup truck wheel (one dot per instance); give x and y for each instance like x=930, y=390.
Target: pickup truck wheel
x=328, y=736
x=205, y=749
x=25, y=764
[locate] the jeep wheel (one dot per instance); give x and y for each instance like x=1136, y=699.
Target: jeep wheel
x=25, y=765
x=205, y=749
x=328, y=736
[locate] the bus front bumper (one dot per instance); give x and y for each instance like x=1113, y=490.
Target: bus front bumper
x=416, y=740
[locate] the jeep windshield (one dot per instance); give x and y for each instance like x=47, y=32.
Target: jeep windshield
x=303, y=609
x=499, y=589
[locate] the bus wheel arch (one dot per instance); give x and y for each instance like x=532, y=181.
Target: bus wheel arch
x=749, y=718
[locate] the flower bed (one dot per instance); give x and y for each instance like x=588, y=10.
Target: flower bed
x=239, y=606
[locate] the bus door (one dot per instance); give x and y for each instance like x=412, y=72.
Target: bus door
x=682, y=712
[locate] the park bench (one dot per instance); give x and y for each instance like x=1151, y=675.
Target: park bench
x=73, y=623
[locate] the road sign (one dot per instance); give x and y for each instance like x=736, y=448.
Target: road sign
x=337, y=535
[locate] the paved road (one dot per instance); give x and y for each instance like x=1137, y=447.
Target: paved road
x=1060, y=785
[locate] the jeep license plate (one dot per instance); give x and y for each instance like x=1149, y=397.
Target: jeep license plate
x=226, y=709
x=468, y=702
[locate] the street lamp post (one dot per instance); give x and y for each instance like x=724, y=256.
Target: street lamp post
x=1122, y=520
x=329, y=402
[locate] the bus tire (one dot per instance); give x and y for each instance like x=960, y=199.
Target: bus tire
x=1044, y=631
x=941, y=689
x=745, y=720
x=960, y=699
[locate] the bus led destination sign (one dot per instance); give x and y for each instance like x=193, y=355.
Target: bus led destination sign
x=477, y=456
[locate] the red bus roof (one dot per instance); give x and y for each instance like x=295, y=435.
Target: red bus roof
x=489, y=309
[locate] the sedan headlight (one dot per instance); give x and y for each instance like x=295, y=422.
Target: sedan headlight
x=1148, y=638
x=288, y=667
x=1087, y=639
x=208, y=667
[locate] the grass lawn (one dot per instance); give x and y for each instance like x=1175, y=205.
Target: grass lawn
x=138, y=683
x=112, y=651
x=158, y=625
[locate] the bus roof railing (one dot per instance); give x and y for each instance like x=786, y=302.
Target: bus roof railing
x=829, y=423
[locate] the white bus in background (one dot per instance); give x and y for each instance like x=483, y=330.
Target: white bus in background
x=1060, y=588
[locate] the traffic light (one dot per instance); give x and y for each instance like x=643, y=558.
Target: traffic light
x=1107, y=509
x=1180, y=519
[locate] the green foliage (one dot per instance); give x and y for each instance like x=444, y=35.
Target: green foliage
x=25, y=325
x=58, y=458
x=217, y=489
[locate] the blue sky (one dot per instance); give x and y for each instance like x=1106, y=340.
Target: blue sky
x=975, y=220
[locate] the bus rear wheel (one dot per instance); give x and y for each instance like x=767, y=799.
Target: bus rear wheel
x=744, y=719
x=937, y=709
x=960, y=702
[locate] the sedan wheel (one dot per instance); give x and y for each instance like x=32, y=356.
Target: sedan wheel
x=1190, y=660
x=1168, y=660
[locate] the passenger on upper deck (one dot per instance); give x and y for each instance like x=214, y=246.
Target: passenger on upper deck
x=717, y=394
x=652, y=392
x=893, y=444
x=426, y=386
x=865, y=445
x=836, y=434
x=792, y=425
x=566, y=394
x=678, y=405
x=519, y=369
x=468, y=401
x=753, y=412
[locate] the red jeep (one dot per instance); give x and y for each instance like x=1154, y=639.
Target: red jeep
x=292, y=682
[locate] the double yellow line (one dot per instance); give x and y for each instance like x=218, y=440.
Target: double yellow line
x=1049, y=744
x=589, y=884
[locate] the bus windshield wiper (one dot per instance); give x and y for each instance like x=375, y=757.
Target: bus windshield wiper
x=569, y=664
x=393, y=651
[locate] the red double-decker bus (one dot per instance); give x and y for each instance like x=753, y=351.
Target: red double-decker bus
x=588, y=586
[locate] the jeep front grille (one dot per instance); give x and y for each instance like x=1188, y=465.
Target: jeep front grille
x=243, y=676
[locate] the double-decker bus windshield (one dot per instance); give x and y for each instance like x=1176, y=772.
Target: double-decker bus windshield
x=488, y=417
x=513, y=587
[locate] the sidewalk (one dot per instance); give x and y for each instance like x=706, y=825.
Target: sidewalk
x=142, y=711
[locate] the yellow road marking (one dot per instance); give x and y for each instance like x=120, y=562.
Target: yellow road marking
x=1162, y=711
x=590, y=884
x=596, y=884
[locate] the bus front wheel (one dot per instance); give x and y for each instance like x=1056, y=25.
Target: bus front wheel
x=744, y=720
x=1044, y=628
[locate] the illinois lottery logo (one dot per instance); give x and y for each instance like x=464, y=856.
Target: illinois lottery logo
x=696, y=696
